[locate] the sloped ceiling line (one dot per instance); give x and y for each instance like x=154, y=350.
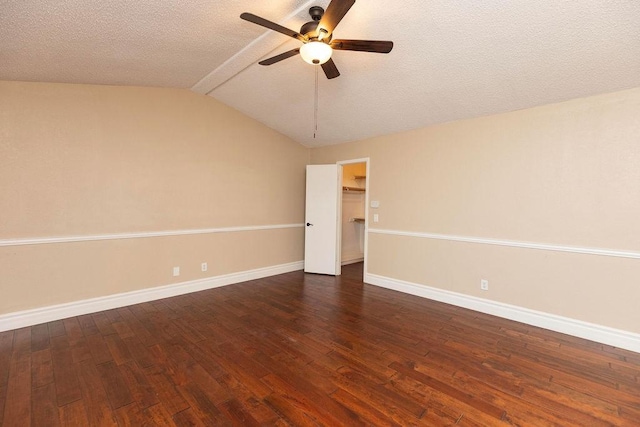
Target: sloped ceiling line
x=249, y=55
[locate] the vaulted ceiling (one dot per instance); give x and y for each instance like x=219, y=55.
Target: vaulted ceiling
x=451, y=60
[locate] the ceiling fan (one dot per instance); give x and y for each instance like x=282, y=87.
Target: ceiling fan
x=317, y=37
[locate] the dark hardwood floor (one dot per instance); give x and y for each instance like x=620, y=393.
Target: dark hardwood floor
x=301, y=349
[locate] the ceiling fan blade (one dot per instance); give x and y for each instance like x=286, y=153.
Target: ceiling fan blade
x=334, y=14
x=272, y=26
x=330, y=69
x=363, y=45
x=278, y=58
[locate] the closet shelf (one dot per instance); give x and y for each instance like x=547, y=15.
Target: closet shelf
x=354, y=189
x=359, y=177
x=357, y=219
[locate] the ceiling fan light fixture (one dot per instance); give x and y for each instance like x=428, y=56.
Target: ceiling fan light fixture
x=317, y=37
x=316, y=53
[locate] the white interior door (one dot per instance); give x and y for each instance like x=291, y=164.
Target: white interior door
x=321, y=220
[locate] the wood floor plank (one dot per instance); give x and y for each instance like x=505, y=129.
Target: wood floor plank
x=17, y=407
x=3, y=398
x=188, y=418
x=115, y=385
x=166, y=390
x=460, y=395
x=88, y=325
x=118, y=349
x=295, y=410
x=212, y=388
x=98, y=348
x=56, y=329
x=41, y=368
x=174, y=366
x=240, y=369
x=298, y=349
x=315, y=373
x=6, y=349
x=103, y=323
x=113, y=315
x=188, y=331
x=261, y=412
x=374, y=393
x=158, y=416
x=442, y=409
x=39, y=337
x=141, y=389
x=204, y=359
x=367, y=412
x=73, y=414
x=79, y=348
x=236, y=414
x=94, y=396
x=65, y=374
x=130, y=416
x=322, y=406
x=123, y=329
x=133, y=415
x=73, y=329
x=135, y=326
x=44, y=409
x=202, y=406
x=570, y=381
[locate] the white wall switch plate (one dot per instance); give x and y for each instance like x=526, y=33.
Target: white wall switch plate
x=176, y=271
x=375, y=204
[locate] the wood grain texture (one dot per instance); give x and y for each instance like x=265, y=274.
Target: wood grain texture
x=17, y=405
x=300, y=349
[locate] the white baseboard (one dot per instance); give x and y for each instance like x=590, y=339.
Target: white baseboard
x=602, y=334
x=36, y=316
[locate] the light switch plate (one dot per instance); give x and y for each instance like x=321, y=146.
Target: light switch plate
x=375, y=204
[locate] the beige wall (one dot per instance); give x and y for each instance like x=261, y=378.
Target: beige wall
x=80, y=160
x=566, y=174
x=87, y=160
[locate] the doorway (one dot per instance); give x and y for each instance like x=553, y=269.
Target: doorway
x=353, y=215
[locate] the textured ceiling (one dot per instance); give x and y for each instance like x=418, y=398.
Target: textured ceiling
x=451, y=60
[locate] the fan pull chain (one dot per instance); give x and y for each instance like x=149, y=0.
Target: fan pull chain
x=315, y=107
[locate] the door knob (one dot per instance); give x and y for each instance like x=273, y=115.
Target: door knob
x=309, y=224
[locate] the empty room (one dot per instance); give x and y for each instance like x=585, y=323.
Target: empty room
x=322, y=213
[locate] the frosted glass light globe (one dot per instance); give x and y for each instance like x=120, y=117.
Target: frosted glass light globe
x=316, y=53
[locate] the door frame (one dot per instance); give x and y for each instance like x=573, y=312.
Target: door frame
x=367, y=161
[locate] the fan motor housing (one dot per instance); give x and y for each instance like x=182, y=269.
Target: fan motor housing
x=316, y=12
x=310, y=28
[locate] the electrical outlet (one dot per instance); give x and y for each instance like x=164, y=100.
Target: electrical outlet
x=376, y=218
x=204, y=266
x=176, y=271
x=484, y=285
